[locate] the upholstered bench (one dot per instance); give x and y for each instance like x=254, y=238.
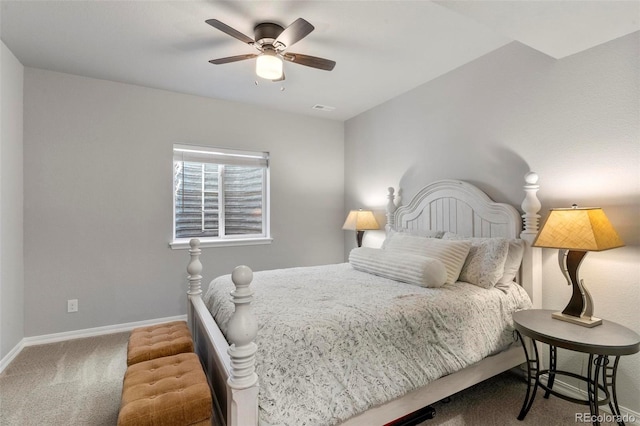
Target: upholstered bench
x=171, y=391
x=146, y=343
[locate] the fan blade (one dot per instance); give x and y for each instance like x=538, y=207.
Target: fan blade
x=310, y=61
x=232, y=32
x=233, y=59
x=294, y=33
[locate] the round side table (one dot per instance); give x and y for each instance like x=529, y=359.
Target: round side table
x=601, y=342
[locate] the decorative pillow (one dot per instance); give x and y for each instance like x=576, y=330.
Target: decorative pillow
x=407, y=240
x=426, y=233
x=451, y=253
x=512, y=264
x=405, y=267
x=484, y=265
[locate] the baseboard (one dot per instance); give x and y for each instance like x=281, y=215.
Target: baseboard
x=630, y=417
x=79, y=334
x=6, y=360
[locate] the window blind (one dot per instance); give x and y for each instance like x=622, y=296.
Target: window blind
x=219, y=193
x=219, y=156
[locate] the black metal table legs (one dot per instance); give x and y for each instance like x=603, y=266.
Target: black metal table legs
x=533, y=366
x=609, y=382
x=601, y=377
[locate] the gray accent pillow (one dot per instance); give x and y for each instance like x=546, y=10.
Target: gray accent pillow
x=484, y=265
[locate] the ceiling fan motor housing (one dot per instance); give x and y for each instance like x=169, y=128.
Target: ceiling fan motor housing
x=267, y=32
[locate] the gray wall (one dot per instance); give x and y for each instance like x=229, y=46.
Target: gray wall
x=11, y=210
x=98, y=196
x=575, y=121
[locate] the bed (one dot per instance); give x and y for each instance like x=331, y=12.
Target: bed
x=261, y=378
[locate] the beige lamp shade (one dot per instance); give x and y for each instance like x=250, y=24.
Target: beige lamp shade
x=580, y=229
x=360, y=220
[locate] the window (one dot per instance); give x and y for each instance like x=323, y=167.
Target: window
x=220, y=196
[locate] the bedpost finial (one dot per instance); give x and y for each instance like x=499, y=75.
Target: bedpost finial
x=391, y=204
x=242, y=330
x=194, y=243
x=391, y=208
x=531, y=178
x=242, y=275
x=531, y=205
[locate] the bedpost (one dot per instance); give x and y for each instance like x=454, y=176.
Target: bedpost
x=532, y=260
x=242, y=403
x=195, y=279
x=391, y=208
x=531, y=205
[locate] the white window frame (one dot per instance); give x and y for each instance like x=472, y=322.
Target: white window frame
x=224, y=156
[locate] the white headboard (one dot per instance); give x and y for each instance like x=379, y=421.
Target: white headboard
x=456, y=206
x=462, y=208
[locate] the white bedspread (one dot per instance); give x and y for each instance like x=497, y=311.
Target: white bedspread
x=334, y=341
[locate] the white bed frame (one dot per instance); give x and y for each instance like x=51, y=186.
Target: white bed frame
x=446, y=205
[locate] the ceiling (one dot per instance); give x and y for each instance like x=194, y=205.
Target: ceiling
x=382, y=48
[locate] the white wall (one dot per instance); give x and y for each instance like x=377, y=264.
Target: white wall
x=11, y=210
x=98, y=196
x=575, y=121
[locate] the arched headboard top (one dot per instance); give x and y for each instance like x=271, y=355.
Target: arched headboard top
x=455, y=206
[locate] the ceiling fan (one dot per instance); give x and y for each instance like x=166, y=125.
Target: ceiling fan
x=272, y=42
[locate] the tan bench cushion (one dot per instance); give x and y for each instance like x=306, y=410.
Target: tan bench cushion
x=169, y=391
x=160, y=340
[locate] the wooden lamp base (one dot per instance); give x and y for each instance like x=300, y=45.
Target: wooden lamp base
x=580, y=308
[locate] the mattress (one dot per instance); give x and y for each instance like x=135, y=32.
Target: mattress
x=334, y=341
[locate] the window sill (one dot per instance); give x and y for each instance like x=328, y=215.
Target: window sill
x=184, y=243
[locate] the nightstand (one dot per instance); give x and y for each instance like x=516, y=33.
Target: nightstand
x=601, y=342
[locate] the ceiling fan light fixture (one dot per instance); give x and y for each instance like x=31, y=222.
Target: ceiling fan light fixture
x=269, y=66
x=272, y=42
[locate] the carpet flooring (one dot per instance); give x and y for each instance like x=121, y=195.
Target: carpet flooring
x=78, y=382
x=75, y=382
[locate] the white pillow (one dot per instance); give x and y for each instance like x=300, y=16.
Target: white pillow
x=409, y=241
x=405, y=267
x=451, y=253
x=427, y=233
x=514, y=258
x=512, y=264
x=484, y=265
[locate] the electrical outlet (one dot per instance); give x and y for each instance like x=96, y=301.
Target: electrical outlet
x=72, y=305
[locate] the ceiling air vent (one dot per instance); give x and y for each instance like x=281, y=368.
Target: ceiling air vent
x=323, y=107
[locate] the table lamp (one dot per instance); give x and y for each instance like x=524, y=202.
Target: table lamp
x=576, y=231
x=360, y=221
